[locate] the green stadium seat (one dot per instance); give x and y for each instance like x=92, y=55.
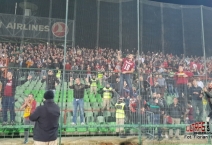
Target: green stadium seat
x=93, y=100
x=27, y=92
x=92, y=128
x=82, y=129
x=89, y=119
x=70, y=131
x=112, y=128
x=100, y=119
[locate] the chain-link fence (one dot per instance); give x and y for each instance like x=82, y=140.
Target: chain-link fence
x=55, y=45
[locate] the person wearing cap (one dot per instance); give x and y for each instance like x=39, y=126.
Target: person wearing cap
x=51, y=81
x=9, y=85
x=46, y=118
x=121, y=110
x=29, y=107
x=107, y=95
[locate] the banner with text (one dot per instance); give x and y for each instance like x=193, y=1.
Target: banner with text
x=35, y=27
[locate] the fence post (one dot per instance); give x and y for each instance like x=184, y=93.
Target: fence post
x=138, y=35
x=63, y=79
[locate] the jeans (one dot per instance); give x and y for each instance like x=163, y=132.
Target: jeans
x=26, y=130
x=127, y=78
x=197, y=104
x=8, y=103
x=76, y=103
x=157, y=121
x=42, y=73
x=170, y=89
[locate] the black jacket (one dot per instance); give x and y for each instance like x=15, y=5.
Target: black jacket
x=50, y=82
x=46, y=119
x=79, y=90
x=175, y=112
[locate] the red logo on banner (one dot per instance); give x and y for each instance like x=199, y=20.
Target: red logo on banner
x=59, y=29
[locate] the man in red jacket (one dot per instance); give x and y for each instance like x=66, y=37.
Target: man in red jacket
x=181, y=78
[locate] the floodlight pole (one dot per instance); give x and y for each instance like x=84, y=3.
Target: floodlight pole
x=203, y=42
x=15, y=8
x=50, y=15
x=98, y=17
x=183, y=32
x=120, y=25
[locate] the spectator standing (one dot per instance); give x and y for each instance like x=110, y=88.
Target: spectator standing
x=29, y=107
x=128, y=67
x=117, y=84
x=181, y=78
x=196, y=93
x=120, y=116
x=112, y=79
x=200, y=83
x=93, y=89
x=9, y=85
x=162, y=84
x=46, y=118
x=51, y=81
x=175, y=112
x=107, y=95
x=79, y=90
x=208, y=93
x=189, y=114
x=156, y=107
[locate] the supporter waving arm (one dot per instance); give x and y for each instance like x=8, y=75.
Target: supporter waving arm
x=119, y=57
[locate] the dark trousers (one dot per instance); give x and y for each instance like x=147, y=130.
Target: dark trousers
x=182, y=88
x=197, y=104
x=8, y=104
x=157, y=121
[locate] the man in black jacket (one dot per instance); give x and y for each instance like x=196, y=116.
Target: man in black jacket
x=156, y=107
x=9, y=85
x=78, y=98
x=196, y=93
x=175, y=112
x=46, y=118
x=51, y=81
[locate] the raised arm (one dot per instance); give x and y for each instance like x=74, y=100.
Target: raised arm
x=119, y=56
x=71, y=86
x=87, y=85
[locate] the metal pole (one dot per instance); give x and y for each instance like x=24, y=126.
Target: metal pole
x=139, y=103
x=50, y=15
x=203, y=41
x=183, y=31
x=98, y=16
x=74, y=24
x=63, y=79
x=162, y=29
x=15, y=8
x=120, y=25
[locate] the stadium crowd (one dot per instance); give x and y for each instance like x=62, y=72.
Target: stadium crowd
x=152, y=75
